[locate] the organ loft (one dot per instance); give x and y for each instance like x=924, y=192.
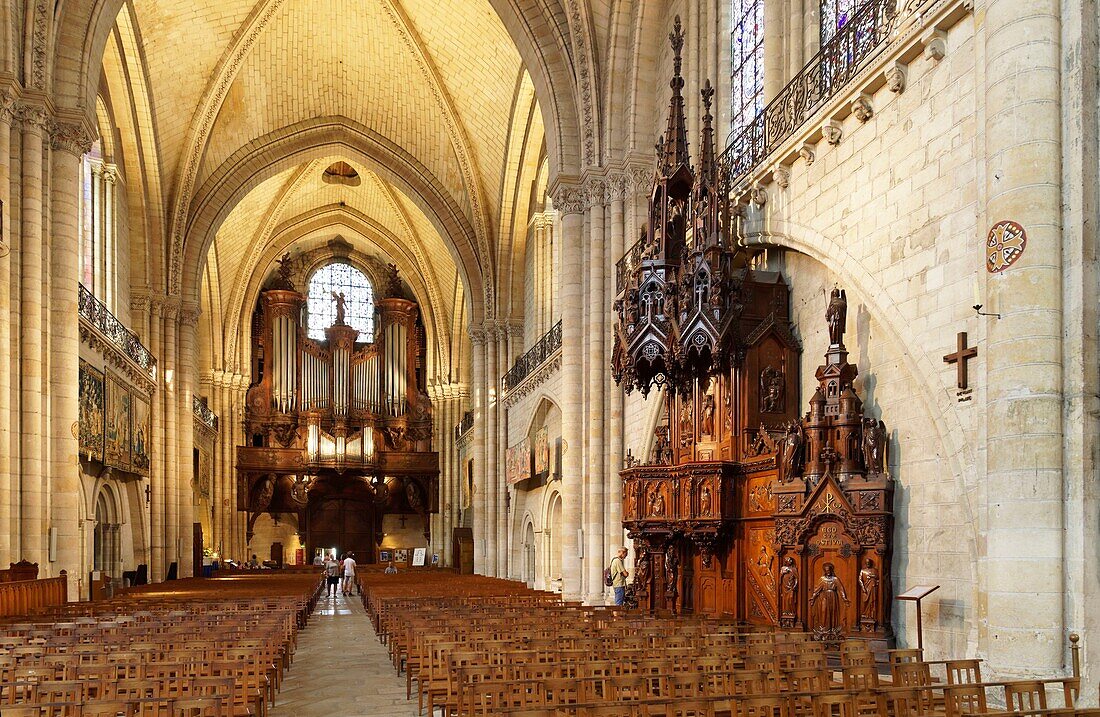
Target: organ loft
x=745, y=507
x=340, y=430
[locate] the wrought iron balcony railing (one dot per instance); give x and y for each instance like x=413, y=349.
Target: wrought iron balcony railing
x=823, y=77
x=95, y=312
x=203, y=412
x=536, y=356
x=464, y=425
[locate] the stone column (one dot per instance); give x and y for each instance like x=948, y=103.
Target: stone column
x=7, y=420
x=1024, y=576
x=240, y=517
x=479, y=454
x=795, y=53
x=32, y=496
x=774, y=39
x=69, y=143
x=171, y=437
x=189, y=319
x=620, y=189
x=569, y=200
x=158, y=469
x=504, y=363
x=595, y=515
x=493, y=499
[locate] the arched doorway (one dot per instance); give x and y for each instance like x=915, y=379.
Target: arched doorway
x=106, y=551
x=529, y=554
x=553, y=574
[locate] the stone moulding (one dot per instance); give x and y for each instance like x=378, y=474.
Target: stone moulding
x=533, y=380
x=918, y=25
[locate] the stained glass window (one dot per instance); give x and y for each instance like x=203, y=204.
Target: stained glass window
x=834, y=15
x=747, y=94
x=340, y=278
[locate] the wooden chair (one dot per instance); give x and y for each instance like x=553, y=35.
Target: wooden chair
x=910, y=674
x=198, y=707
x=964, y=699
x=898, y=657
x=1025, y=696
x=763, y=706
x=910, y=702
x=835, y=704
x=860, y=678
x=963, y=672
x=109, y=708
x=687, y=708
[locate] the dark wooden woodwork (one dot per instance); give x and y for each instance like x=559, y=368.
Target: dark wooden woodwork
x=744, y=507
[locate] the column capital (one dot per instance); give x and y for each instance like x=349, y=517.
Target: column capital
x=8, y=103
x=75, y=138
x=597, y=191
x=620, y=184
x=568, y=196
x=189, y=315
x=32, y=115
x=477, y=336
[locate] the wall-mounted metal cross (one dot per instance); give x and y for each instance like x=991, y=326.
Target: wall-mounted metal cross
x=959, y=358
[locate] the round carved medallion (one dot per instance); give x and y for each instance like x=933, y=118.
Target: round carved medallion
x=1005, y=244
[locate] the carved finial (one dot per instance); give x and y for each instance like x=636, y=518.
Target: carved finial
x=282, y=274
x=675, y=138
x=393, y=283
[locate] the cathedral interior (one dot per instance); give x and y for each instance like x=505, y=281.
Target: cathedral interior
x=796, y=300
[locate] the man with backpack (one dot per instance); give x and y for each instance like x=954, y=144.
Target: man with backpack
x=616, y=574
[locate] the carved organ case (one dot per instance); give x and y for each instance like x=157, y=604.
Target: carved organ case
x=742, y=503
x=339, y=417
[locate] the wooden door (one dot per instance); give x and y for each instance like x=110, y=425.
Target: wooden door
x=196, y=551
x=343, y=524
x=462, y=543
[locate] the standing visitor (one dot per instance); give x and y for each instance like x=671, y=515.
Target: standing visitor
x=332, y=574
x=619, y=575
x=349, y=573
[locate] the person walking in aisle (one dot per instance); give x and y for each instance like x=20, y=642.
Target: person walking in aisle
x=349, y=573
x=332, y=574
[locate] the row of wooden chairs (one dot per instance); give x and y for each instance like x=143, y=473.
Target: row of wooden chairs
x=480, y=646
x=192, y=648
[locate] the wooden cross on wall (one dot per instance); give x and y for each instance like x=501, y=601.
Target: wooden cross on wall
x=959, y=358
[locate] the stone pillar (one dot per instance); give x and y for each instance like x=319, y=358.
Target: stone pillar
x=493, y=499
x=240, y=517
x=569, y=200
x=617, y=246
x=186, y=376
x=795, y=53
x=1024, y=576
x=7, y=421
x=69, y=143
x=159, y=458
x=32, y=496
x=171, y=436
x=774, y=40
x=505, y=354
x=595, y=515
x=479, y=454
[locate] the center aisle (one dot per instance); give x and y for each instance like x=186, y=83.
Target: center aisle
x=341, y=669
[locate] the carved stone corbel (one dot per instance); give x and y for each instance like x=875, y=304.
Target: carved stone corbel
x=862, y=108
x=781, y=175
x=896, y=76
x=935, y=45
x=807, y=152
x=831, y=132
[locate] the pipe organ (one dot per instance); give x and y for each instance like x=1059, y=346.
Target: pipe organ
x=321, y=416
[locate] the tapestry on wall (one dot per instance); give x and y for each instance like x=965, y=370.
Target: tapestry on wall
x=140, y=443
x=116, y=438
x=202, y=480
x=91, y=412
x=518, y=461
x=542, y=451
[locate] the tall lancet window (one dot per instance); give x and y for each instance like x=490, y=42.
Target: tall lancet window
x=334, y=279
x=835, y=14
x=98, y=225
x=747, y=78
